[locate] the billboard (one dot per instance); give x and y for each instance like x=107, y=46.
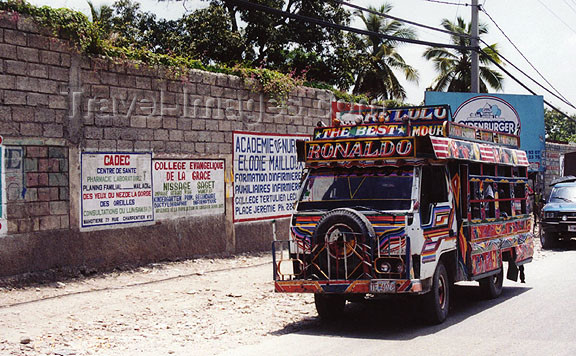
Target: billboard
x=521, y=115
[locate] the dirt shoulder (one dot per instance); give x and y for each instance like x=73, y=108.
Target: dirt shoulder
x=196, y=307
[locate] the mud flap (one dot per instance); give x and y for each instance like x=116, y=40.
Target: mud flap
x=512, y=273
x=513, y=270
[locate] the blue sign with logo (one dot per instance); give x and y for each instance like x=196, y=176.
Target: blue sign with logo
x=521, y=115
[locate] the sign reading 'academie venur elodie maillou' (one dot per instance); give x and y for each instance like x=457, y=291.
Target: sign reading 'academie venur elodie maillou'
x=267, y=175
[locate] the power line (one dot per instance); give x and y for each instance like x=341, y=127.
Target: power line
x=570, y=5
x=559, y=97
x=322, y=23
x=271, y=10
x=524, y=85
x=349, y=4
x=449, y=2
x=523, y=56
x=558, y=17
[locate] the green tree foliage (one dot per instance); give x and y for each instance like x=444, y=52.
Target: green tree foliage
x=376, y=74
x=454, y=65
x=102, y=17
x=226, y=33
x=558, y=127
x=209, y=36
x=129, y=26
x=295, y=46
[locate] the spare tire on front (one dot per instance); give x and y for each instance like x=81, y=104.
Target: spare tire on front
x=343, y=245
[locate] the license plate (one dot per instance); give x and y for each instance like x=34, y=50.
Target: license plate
x=383, y=287
x=571, y=227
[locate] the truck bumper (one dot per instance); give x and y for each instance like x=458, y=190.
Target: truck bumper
x=374, y=286
x=560, y=227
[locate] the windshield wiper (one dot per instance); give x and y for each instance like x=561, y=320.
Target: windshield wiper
x=378, y=210
x=565, y=199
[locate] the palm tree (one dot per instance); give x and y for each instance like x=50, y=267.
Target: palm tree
x=101, y=16
x=454, y=65
x=376, y=76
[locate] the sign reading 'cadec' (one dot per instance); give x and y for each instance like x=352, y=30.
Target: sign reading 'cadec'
x=116, y=188
x=390, y=148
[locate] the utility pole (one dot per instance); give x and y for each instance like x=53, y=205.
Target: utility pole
x=475, y=70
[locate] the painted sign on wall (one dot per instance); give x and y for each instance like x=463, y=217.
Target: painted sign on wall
x=14, y=173
x=266, y=175
x=116, y=188
x=523, y=114
x=3, y=222
x=188, y=187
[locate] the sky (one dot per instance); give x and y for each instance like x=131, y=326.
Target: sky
x=543, y=30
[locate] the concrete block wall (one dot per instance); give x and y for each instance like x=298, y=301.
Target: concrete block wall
x=56, y=103
x=553, y=170
x=42, y=202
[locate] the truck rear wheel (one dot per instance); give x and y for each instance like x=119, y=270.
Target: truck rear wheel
x=437, y=301
x=491, y=287
x=329, y=306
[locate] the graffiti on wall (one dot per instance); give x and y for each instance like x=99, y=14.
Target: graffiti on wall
x=14, y=173
x=267, y=175
x=188, y=187
x=116, y=188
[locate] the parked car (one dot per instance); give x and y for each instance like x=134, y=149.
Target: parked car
x=559, y=213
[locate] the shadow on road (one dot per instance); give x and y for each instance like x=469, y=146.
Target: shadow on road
x=565, y=245
x=399, y=318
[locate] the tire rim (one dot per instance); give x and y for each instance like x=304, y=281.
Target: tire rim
x=336, y=238
x=442, y=292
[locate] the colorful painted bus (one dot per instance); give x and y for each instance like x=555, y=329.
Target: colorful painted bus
x=408, y=203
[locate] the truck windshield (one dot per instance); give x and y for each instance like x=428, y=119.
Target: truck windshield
x=385, y=188
x=565, y=194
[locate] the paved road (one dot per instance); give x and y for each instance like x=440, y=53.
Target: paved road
x=536, y=318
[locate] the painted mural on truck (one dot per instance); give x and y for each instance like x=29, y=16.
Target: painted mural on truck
x=116, y=188
x=184, y=187
x=267, y=175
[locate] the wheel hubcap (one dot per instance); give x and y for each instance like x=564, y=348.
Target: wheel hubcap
x=441, y=292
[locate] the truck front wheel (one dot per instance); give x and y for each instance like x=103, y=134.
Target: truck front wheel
x=547, y=239
x=437, y=301
x=491, y=287
x=329, y=306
